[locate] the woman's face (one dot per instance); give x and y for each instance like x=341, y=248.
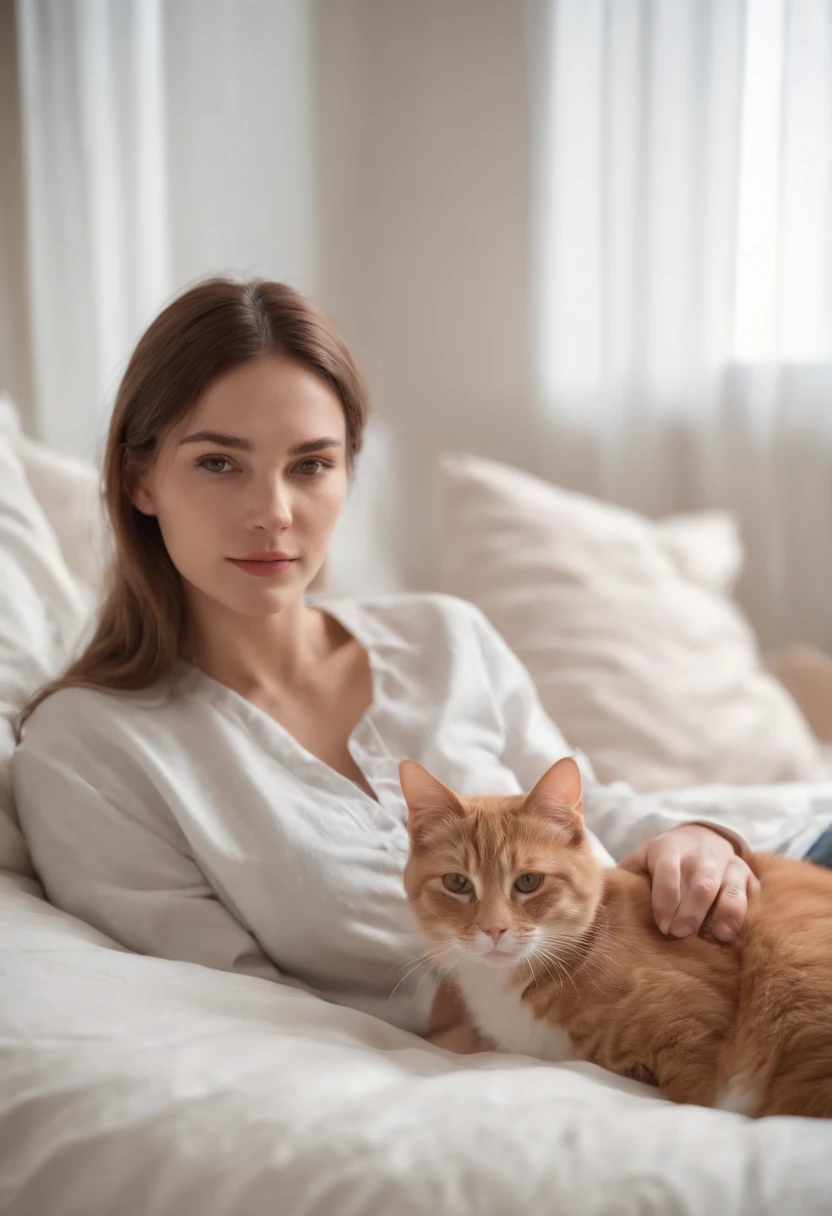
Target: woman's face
x=247, y=490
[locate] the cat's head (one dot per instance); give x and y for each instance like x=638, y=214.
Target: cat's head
x=500, y=880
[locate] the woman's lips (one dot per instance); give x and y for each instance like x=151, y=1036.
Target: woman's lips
x=262, y=567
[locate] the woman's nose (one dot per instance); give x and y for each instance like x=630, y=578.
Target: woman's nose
x=271, y=505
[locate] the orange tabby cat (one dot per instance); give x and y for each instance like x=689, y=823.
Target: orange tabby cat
x=559, y=957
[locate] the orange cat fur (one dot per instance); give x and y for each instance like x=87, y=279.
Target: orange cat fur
x=576, y=968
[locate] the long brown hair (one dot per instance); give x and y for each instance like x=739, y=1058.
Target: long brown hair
x=208, y=330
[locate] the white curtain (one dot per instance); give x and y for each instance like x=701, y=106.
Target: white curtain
x=164, y=140
x=683, y=266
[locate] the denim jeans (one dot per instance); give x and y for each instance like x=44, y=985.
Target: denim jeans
x=821, y=850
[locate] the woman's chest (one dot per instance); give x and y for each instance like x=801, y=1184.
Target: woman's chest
x=257, y=791
x=323, y=717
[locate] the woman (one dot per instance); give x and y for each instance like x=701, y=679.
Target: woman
x=215, y=779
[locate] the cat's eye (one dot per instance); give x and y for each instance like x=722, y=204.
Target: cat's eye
x=527, y=883
x=457, y=884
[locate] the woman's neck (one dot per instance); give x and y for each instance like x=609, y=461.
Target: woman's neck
x=255, y=653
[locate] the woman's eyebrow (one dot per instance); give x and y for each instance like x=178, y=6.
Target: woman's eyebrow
x=243, y=445
x=222, y=441
x=314, y=445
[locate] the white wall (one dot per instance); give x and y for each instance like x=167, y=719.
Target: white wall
x=240, y=166
x=424, y=229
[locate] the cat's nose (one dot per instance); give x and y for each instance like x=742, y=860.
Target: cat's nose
x=495, y=933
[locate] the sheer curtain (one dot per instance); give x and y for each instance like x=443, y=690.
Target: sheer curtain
x=92, y=99
x=163, y=140
x=683, y=267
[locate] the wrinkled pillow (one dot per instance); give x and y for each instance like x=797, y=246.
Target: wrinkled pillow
x=43, y=611
x=705, y=547
x=623, y=623
x=67, y=490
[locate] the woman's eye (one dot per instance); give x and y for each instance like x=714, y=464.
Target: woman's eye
x=215, y=464
x=311, y=468
x=527, y=883
x=457, y=884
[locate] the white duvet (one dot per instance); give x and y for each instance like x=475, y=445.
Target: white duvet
x=132, y=1086
x=140, y=1087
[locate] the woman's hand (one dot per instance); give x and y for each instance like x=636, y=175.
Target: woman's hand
x=694, y=869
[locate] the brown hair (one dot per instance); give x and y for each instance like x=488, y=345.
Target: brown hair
x=208, y=330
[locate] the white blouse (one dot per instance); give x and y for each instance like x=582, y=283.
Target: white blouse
x=186, y=823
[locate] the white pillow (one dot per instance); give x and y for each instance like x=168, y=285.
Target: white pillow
x=639, y=659
x=705, y=547
x=43, y=610
x=68, y=492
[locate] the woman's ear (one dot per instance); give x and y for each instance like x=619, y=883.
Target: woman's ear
x=139, y=492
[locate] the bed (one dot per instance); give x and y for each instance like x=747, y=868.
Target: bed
x=143, y=1087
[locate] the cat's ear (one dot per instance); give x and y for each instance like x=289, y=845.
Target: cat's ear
x=557, y=796
x=429, y=802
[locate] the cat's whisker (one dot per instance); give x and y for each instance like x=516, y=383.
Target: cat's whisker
x=450, y=969
x=544, y=959
x=430, y=958
x=404, y=977
x=425, y=956
x=593, y=966
x=603, y=961
x=422, y=979
x=405, y=962
x=531, y=969
x=559, y=962
x=554, y=978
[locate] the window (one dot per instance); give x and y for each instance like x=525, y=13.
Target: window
x=783, y=302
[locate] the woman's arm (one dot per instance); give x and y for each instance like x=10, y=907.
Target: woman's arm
x=125, y=872
x=695, y=858
x=620, y=817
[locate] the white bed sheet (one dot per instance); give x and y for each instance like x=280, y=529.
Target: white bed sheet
x=142, y=1087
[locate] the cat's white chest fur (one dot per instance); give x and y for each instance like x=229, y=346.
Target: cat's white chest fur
x=496, y=1007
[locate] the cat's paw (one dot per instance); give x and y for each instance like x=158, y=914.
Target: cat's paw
x=462, y=1039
